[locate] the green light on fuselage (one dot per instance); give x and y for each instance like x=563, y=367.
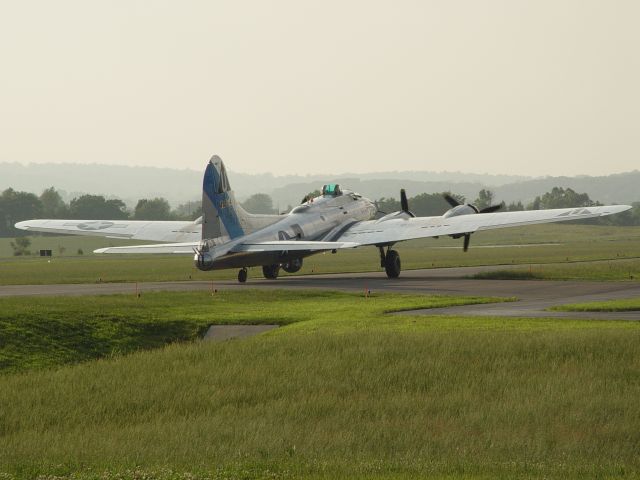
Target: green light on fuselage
x=332, y=189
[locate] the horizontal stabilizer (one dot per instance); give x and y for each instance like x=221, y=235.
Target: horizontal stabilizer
x=291, y=245
x=153, y=231
x=178, y=248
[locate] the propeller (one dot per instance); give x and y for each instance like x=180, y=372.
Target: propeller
x=451, y=200
x=404, y=203
x=467, y=239
x=491, y=208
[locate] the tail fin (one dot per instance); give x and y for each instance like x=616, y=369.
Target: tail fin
x=222, y=215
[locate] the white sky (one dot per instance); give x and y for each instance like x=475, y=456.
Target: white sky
x=540, y=87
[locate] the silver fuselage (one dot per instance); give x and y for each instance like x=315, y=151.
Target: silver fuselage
x=320, y=218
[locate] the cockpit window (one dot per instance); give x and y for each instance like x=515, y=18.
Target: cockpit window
x=331, y=190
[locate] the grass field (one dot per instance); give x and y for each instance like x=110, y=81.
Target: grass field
x=625, y=305
x=37, y=332
x=543, y=244
x=612, y=270
x=342, y=391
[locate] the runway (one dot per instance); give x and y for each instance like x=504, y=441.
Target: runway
x=534, y=296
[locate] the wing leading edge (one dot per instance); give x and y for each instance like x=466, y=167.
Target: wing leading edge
x=158, y=231
x=255, y=247
x=398, y=229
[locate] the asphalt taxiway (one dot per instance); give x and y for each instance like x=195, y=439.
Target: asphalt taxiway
x=534, y=296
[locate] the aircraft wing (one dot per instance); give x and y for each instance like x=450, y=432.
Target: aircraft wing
x=188, y=247
x=179, y=248
x=291, y=245
x=400, y=228
x=159, y=231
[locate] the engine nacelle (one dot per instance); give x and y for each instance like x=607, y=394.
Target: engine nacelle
x=467, y=209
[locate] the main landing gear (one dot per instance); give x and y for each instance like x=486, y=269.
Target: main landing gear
x=270, y=272
x=391, y=262
x=242, y=275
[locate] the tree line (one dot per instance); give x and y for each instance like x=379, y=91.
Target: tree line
x=16, y=206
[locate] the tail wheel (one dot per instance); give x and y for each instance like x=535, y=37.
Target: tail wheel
x=392, y=264
x=270, y=272
x=242, y=275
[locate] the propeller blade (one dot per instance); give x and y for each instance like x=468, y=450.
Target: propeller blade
x=450, y=200
x=404, y=203
x=491, y=208
x=467, y=239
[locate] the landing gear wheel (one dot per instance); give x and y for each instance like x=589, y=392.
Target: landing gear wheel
x=392, y=264
x=292, y=266
x=242, y=275
x=270, y=272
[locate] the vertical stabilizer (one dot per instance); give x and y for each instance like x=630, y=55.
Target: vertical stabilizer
x=222, y=215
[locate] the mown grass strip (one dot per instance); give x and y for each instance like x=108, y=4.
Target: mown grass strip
x=40, y=332
x=618, y=270
x=623, y=305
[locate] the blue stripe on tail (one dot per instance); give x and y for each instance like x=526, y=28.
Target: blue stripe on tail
x=221, y=200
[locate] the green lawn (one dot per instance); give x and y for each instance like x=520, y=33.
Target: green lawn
x=37, y=332
x=342, y=391
x=571, y=243
x=625, y=305
x=612, y=270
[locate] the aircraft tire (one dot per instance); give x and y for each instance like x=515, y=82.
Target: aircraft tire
x=270, y=272
x=242, y=275
x=292, y=266
x=392, y=264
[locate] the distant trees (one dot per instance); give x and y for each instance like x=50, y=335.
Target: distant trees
x=15, y=207
x=424, y=204
x=514, y=207
x=96, y=207
x=388, y=205
x=21, y=246
x=310, y=195
x=188, y=211
x=152, y=209
x=53, y=205
x=559, y=197
x=484, y=200
x=429, y=204
x=259, y=203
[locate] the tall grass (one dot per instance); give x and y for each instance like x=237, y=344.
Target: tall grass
x=622, y=305
x=343, y=395
x=47, y=331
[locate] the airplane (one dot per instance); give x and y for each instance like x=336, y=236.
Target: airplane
x=226, y=236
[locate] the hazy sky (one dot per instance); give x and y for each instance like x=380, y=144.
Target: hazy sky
x=542, y=87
